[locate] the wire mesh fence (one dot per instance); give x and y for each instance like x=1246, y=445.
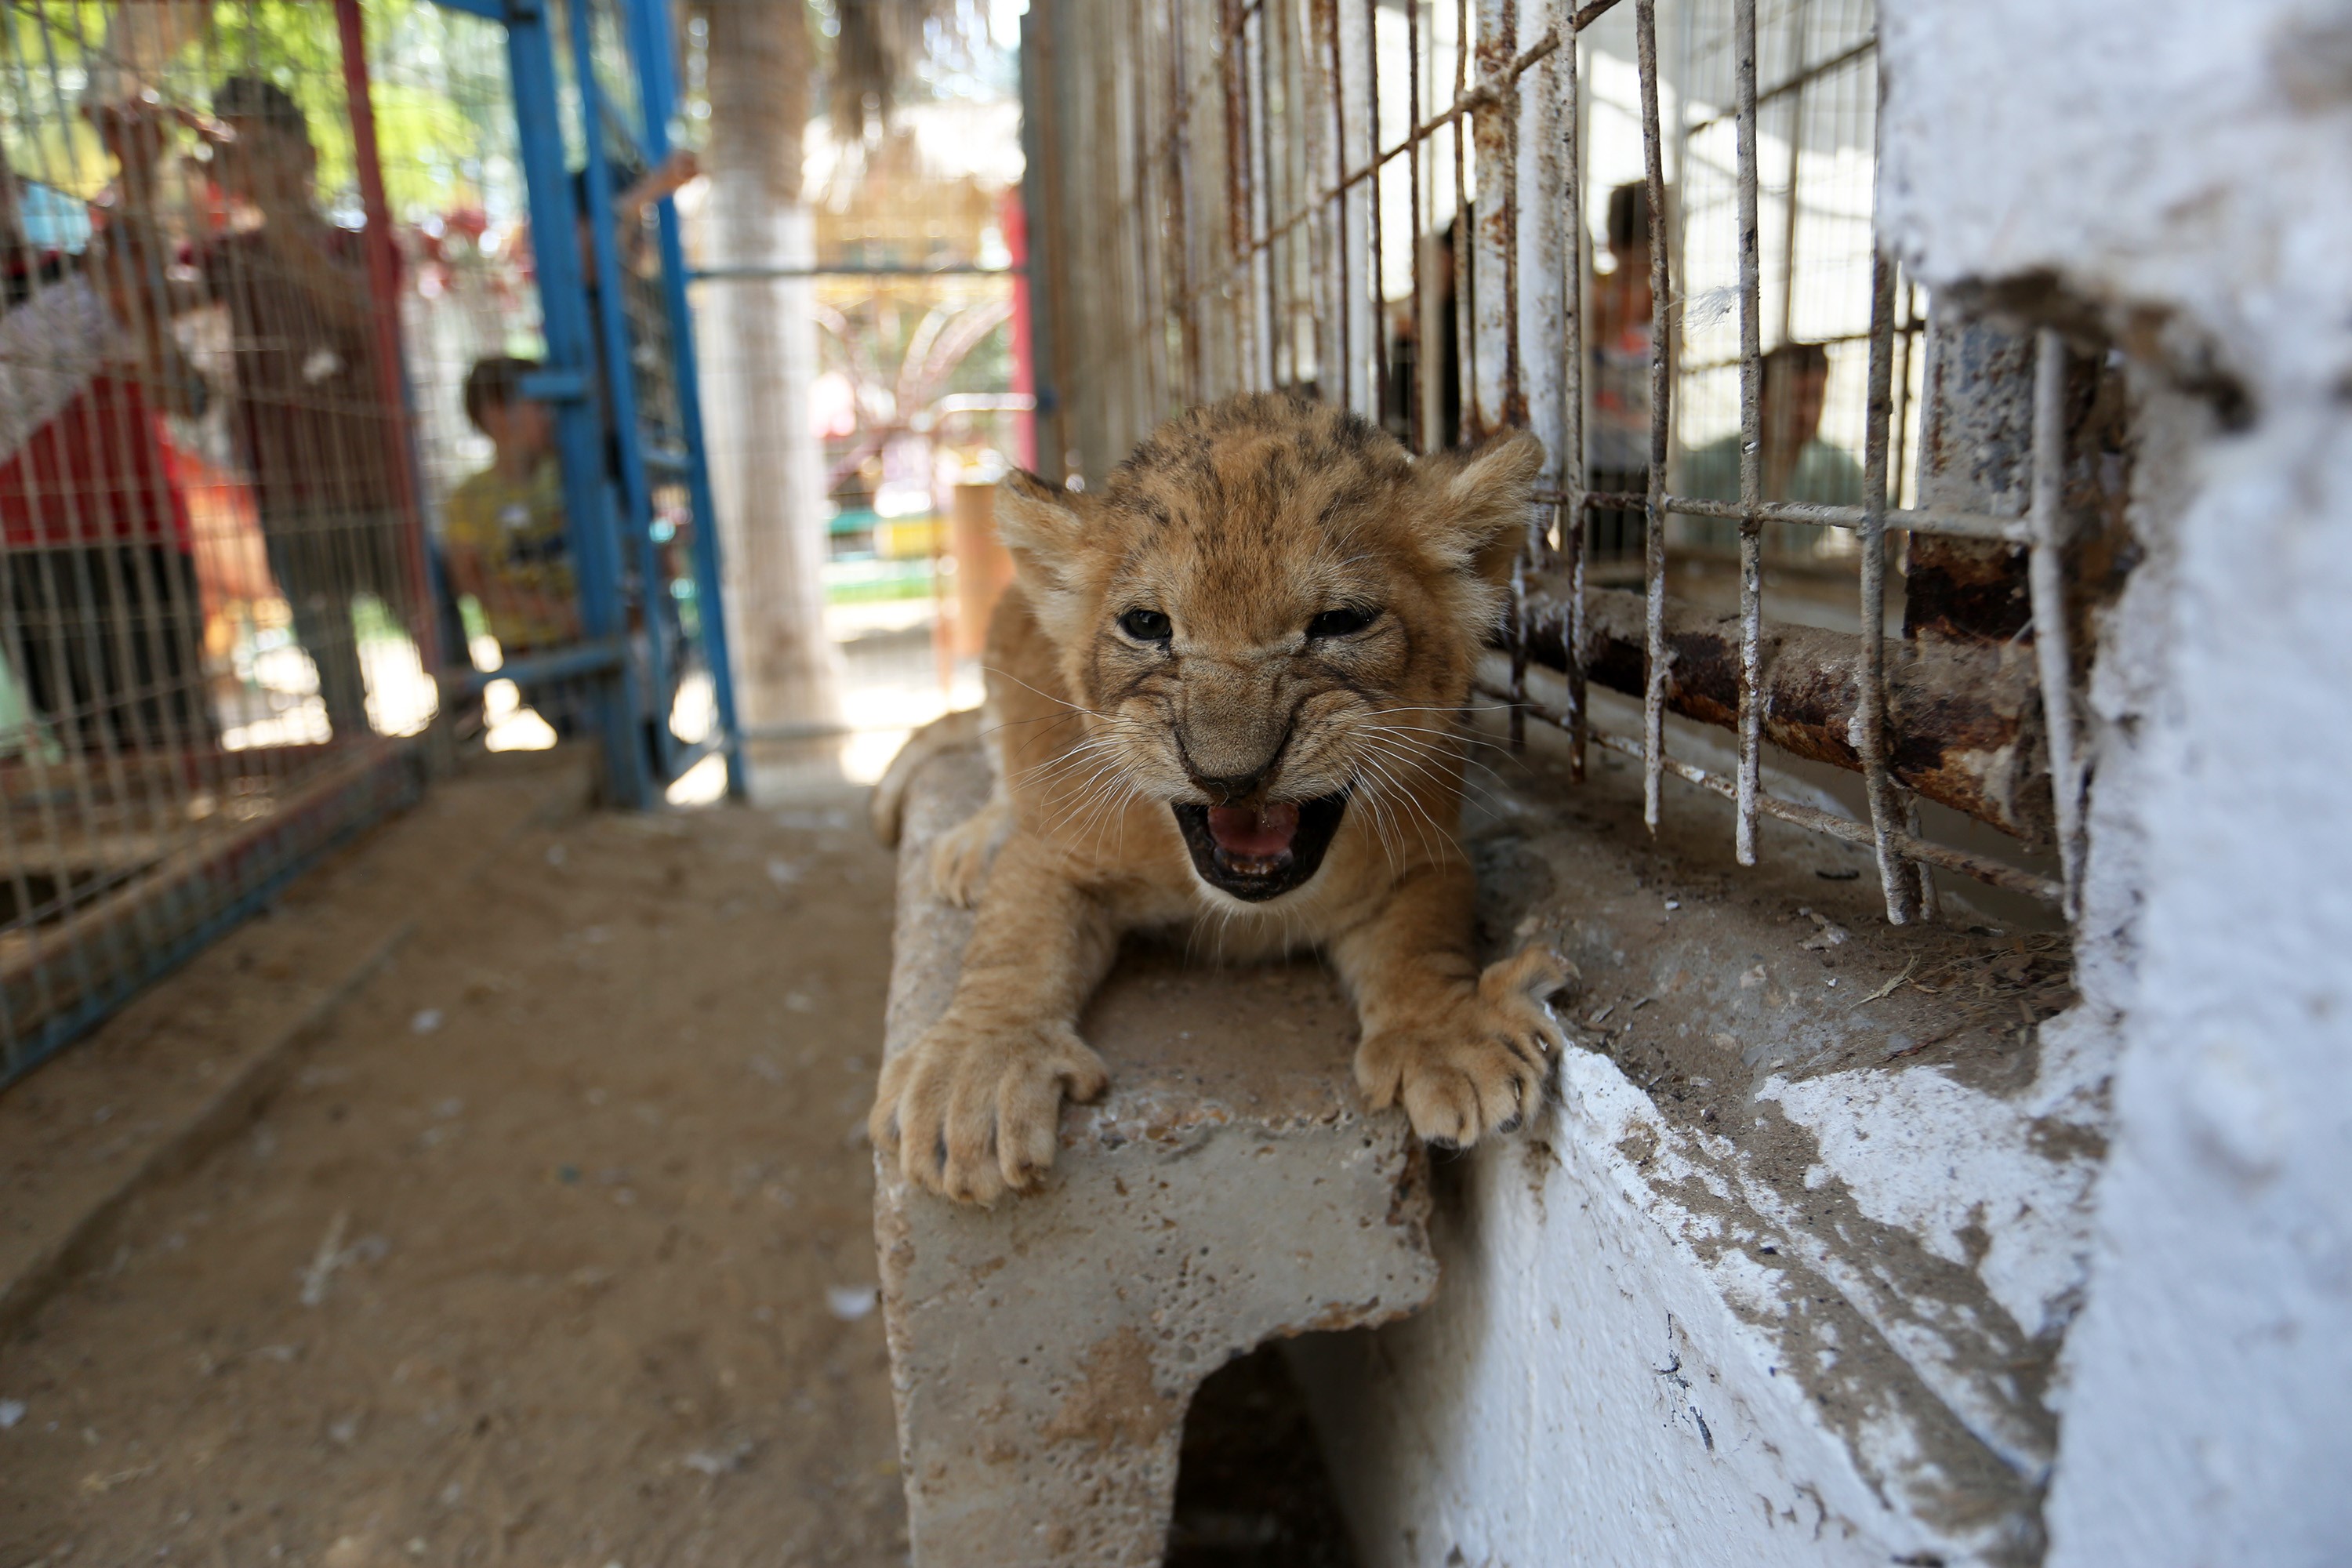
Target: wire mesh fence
x=254, y=251
x=1644, y=230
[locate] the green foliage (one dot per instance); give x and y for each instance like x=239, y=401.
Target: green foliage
x=443, y=118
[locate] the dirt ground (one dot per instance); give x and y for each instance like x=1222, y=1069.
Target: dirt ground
x=556, y=1250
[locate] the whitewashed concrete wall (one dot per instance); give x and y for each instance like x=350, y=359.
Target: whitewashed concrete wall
x=1657, y=1343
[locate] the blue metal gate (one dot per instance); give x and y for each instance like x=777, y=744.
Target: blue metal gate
x=595, y=87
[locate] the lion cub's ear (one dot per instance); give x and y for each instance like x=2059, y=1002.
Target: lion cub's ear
x=1046, y=527
x=1043, y=527
x=1477, y=504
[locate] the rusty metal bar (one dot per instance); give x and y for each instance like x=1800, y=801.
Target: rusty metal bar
x=1870, y=717
x=1983, y=868
x=1653, y=514
x=1573, y=466
x=2052, y=654
x=1502, y=399
x=1963, y=718
x=1751, y=441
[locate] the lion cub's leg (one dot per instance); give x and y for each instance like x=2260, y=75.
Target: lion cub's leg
x=1463, y=1052
x=972, y=1107
x=961, y=856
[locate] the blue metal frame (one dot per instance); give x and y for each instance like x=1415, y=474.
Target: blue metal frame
x=591, y=529
x=609, y=525
x=657, y=90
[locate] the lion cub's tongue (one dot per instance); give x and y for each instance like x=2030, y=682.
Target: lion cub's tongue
x=1257, y=831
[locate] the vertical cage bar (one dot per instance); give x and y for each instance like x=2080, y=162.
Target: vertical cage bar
x=657, y=86
x=2046, y=585
x=1180, y=232
x=1796, y=77
x=1654, y=511
x=383, y=285
x=1416, y=418
x=1572, y=462
x=1379, y=280
x=1360, y=335
x=1234, y=83
x=1465, y=276
x=1751, y=439
x=1893, y=875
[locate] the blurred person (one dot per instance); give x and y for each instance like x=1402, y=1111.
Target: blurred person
x=506, y=537
x=1798, y=465
x=310, y=415
x=1617, y=379
x=102, y=592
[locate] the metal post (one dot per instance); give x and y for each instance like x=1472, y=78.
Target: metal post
x=569, y=385
x=657, y=89
x=1654, y=701
x=1751, y=441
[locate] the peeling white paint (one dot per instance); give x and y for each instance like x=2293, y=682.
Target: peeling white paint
x=1940, y=1159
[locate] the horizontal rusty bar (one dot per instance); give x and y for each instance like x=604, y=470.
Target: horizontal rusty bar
x=1983, y=868
x=1964, y=721
x=1919, y=520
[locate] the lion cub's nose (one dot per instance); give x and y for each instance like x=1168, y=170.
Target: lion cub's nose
x=1230, y=788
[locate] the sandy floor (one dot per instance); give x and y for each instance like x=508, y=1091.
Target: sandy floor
x=557, y=1252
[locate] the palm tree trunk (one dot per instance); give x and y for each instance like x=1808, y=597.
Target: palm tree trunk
x=759, y=359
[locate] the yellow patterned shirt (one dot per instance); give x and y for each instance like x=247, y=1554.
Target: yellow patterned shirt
x=515, y=529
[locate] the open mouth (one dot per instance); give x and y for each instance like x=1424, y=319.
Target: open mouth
x=1260, y=852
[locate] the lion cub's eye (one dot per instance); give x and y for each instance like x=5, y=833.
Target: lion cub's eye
x=1146, y=626
x=1345, y=623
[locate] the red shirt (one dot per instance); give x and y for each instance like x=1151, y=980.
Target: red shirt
x=82, y=455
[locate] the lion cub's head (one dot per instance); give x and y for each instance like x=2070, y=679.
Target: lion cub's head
x=1271, y=611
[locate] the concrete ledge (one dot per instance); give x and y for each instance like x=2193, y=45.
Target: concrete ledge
x=1782, y=1275
x=190, y=1062
x=1229, y=1190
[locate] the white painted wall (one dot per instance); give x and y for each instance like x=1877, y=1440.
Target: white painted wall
x=2182, y=174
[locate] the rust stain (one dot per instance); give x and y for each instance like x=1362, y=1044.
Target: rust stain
x=1116, y=1400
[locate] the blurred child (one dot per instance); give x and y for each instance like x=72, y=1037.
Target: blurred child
x=505, y=537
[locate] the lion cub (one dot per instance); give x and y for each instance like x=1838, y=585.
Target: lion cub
x=1224, y=691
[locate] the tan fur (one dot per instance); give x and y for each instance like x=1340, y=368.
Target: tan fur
x=949, y=732
x=1242, y=522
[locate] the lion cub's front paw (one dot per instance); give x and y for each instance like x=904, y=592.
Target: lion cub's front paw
x=973, y=1110
x=1475, y=1061
x=961, y=856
